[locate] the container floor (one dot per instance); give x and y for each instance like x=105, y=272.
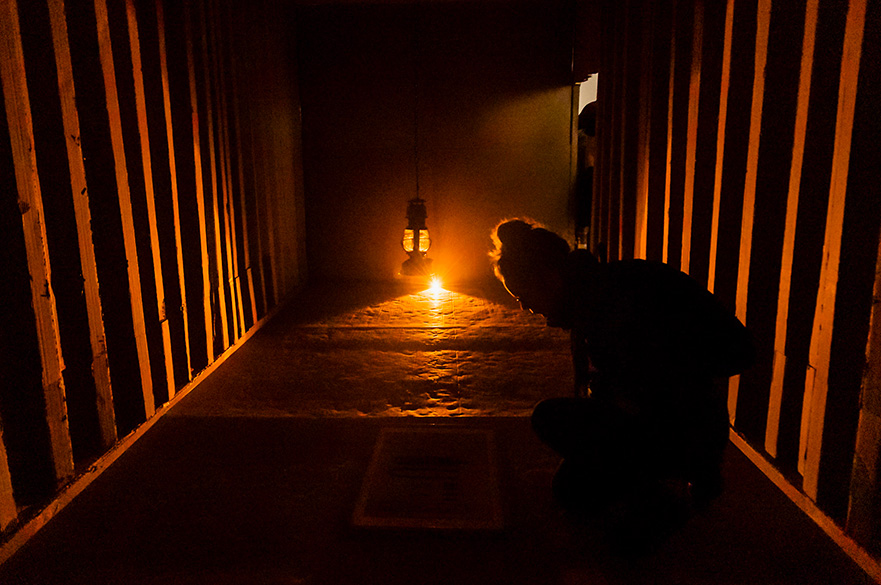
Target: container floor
x=254, y=476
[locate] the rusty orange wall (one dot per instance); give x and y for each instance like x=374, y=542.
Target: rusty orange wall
x=491, y=84
x=738, y=141
x=152, y=214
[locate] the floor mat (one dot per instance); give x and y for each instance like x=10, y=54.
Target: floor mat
x=434, y=479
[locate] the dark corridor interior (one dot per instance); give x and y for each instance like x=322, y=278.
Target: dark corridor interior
x=208, y=355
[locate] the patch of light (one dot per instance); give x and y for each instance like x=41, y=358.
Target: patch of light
x=414, y=314
x=440, y=308
x=587, y=91
x=436, y=287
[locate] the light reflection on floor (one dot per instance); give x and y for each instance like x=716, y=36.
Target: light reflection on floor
x=427, y=353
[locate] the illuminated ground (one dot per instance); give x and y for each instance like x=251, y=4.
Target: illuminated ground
x=392, y=350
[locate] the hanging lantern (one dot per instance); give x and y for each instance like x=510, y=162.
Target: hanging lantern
x=416, y=234
x=416, y=241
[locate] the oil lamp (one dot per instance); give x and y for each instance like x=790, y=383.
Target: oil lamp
x=416, y=240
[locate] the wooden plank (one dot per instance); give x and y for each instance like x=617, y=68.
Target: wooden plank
x=665, y=251
x=855, y=281
x=816, y=382
x=80, y=194
x=18, y=115
x=251, y=189
x=207, y=78
x=174, y=37
x=763, y=22
x=691, y=132
x=230, y=65
x=634, y=38
x=221, y=154
x=593, y=228
x=232, y=245
x=657, y=151
x=616, y=113
x=816, y=173
x=574, y=158
x=261, y=156
x=703, y=179
x=772, y=427
x=200, y=191
x=265, y=166
x=163, y=181
x=8, y=509
x=62, y=243
x=260, y=210
x=175, y=198
x=229, y=216
x=774, y=162
x=623, y=78
x=602, y=170
x=236, y=191
x=143, y=131
x=605, y=96
x=677, y=125
x=720, y=141
x=600, y=178
x=644, y=135
x=125, y=204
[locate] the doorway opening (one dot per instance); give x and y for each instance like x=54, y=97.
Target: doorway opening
x=586, y=156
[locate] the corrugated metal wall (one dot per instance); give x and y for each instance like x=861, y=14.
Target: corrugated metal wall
x=740, y=142
x=151, y=215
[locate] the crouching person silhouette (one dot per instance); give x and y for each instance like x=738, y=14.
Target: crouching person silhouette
x=651, y=351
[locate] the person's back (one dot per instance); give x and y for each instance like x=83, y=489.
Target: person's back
x=645, y=323
x=651, y=350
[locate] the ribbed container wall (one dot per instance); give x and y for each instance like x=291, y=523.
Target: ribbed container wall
x=738, y=141
x=152, y=215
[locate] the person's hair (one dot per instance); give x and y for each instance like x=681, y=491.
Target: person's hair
x=525, y=250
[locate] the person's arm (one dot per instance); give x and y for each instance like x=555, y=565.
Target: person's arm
x=580, y=362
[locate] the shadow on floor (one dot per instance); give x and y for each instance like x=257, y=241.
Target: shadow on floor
x=232, y=500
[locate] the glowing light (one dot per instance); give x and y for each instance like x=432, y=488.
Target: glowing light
x=436, y=286
x=408, y=240
x=416, y=239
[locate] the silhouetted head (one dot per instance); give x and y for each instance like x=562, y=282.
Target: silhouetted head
x=531, y=262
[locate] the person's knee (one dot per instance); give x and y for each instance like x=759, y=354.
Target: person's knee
x=542, y=417
x=550, y=414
